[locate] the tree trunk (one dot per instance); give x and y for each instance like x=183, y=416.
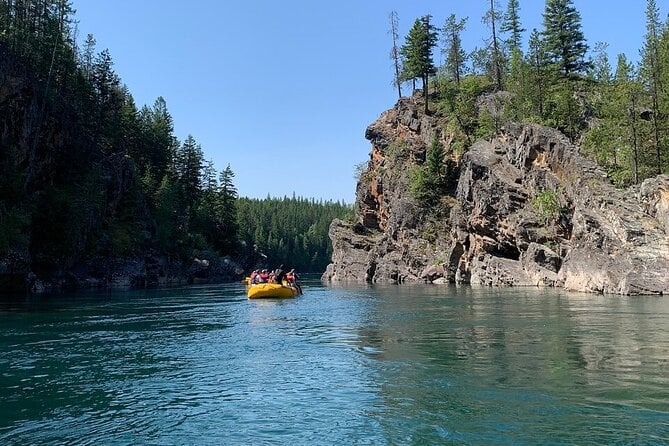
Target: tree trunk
x=635, y=150
x=495, y=47
x=425, y=92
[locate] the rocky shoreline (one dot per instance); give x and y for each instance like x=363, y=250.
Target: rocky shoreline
x=152, y=270
x=492, y=229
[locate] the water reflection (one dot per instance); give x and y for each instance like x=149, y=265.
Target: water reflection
x=355, y=364
x=508, y=358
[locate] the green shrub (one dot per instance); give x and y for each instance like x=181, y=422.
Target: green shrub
x=547, y=204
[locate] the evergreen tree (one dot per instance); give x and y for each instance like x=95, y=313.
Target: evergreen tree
x=627, y=91
x=517, y=83
x=109, y=98
x=537, y=59
x=492, y=17
x=563, y=38
x=171, y=222
x=429, y=181
x=189, y=164
x=601, y=66
x=417, y=53
x=410, y=53
x=455, y=54
x=651, y=72
x=395, y=52
x=482, y=62
x=227, y=211
x=88, y=55
x=435, y=164
x=511, y=24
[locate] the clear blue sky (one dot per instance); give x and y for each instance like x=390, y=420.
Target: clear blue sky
x=283, y=90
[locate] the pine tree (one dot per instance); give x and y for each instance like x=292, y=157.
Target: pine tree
x=428, y=182
x=227, y=210
x=493, y=17
x=511, y=24
x=455, y=54
x=537, y=59
x=563, y=38
x=517, y=83
x=627, y=92
x=189, y=164
x=395, y=52
x=436, y=167
x=651, y=72
x=417, y=53
x=88, y=55
x=169, y=215
x=410, y=53
x=601, y=66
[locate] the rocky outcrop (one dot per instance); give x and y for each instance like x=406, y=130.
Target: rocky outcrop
x=528, y=210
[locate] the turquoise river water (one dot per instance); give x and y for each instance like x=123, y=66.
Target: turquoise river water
x=381, y=365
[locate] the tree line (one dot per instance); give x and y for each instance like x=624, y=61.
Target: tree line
x=618, y=115
x=290, y=231
x=94, y=175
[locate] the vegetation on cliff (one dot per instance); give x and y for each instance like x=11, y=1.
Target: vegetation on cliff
x=474, y=184
x=618, y=115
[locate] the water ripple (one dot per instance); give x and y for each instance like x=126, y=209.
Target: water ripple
x=367, y=365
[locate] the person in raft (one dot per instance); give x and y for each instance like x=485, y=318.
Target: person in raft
x=291, y=278
x=279, y=275
x=263, y=277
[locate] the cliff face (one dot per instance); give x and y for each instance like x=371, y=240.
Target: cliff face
x=528, y=210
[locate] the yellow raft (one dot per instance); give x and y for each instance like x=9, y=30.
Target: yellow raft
x=270, y=290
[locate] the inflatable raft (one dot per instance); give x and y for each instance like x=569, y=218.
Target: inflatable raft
x=270, y=290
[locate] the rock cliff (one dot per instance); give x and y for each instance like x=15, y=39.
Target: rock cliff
x=527, y=210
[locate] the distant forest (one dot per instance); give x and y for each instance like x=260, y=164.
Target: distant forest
x=85, y=173
x=290, y=231
x=616, y=110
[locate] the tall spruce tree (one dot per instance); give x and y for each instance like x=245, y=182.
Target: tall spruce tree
x=189, y=165
x=511, y=25
x=517, y=68
x=417, y=53
x=563, y=38
x=409, y=53
x=227, y=210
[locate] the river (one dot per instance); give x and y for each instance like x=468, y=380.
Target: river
x=366, y=365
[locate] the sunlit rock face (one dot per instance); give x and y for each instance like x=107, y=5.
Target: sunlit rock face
x=494, y=227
